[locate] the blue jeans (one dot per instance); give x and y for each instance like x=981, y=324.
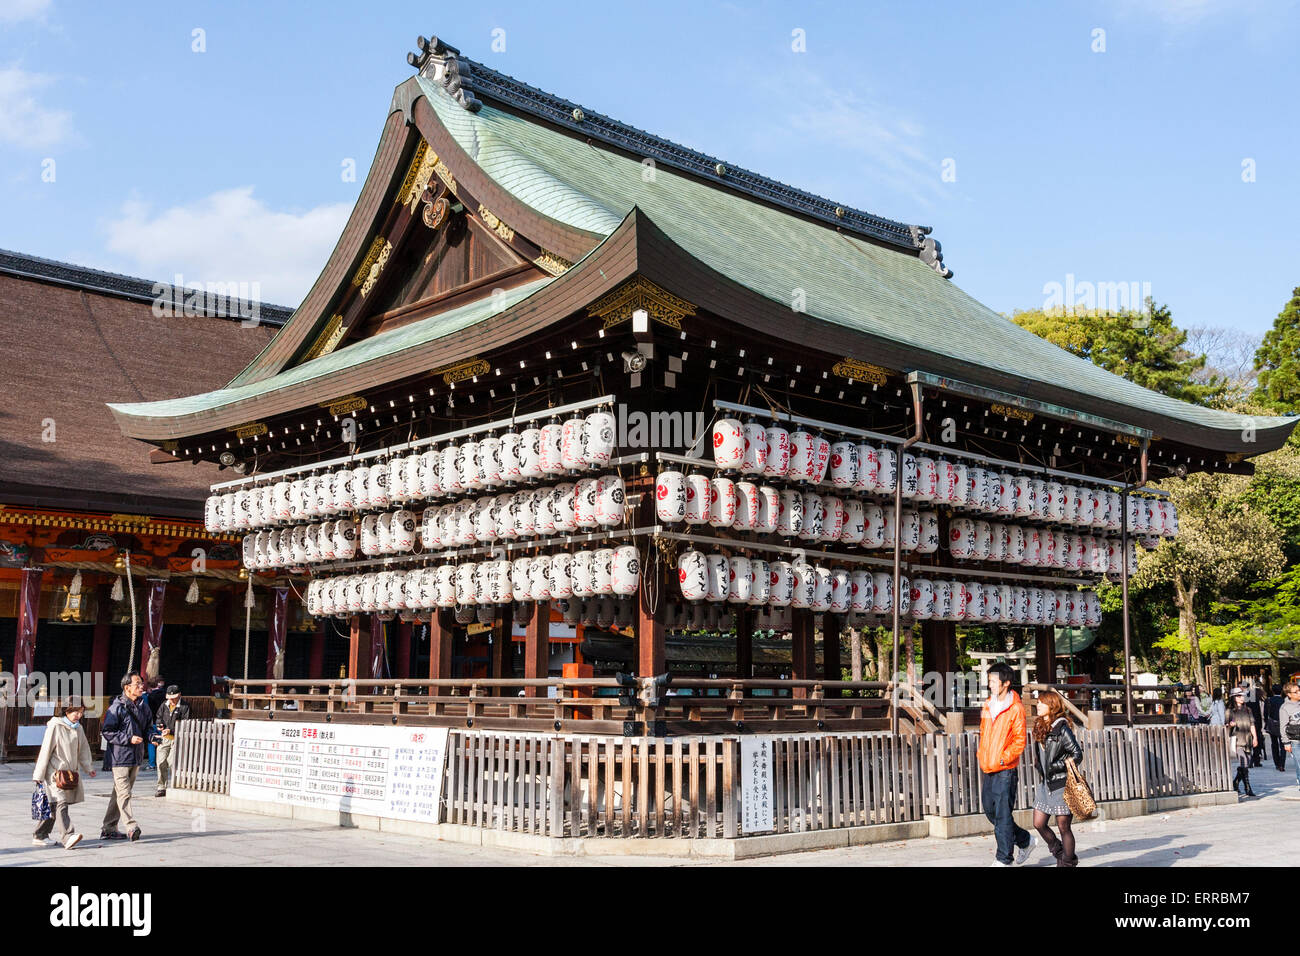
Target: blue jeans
x=998, y=795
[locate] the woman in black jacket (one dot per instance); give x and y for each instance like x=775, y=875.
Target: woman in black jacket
x=1056, y=744
x=1245, y=738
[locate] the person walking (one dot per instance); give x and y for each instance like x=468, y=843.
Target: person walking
x=1190, y=708
x=1056, y=744
x=63, y=762
x=1272, y=709
x=1218, y=713
x=1288, y=718
x=172, y=712
x=1002, y=741
x=1257, y=715
x=1241, y=725
x=125, y=729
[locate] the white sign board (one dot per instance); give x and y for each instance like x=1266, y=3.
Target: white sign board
x=379, y=771
x=757, y=800
x=32, y=735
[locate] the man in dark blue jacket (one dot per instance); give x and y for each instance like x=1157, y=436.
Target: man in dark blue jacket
x=125, y=731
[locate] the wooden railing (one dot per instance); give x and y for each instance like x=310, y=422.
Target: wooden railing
x=688, y=787
x=203, y=755
x=593, y=705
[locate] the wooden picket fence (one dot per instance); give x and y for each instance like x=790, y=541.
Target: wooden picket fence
x=204, y=749
x=688, y=787
x=1120, y=764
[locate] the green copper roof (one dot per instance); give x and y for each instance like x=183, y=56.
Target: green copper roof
x=351, y=356
x=844, y=280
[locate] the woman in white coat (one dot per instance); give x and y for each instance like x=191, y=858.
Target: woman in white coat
x=65, y=748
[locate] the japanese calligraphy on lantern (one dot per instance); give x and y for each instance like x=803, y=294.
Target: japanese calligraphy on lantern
x=756, y=790
x=378, y=771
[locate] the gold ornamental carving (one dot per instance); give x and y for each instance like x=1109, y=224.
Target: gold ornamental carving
x=551, y=263
x=417, y=175
x=329, y=337
x=495, y=224
x=460, y=371
x=376, y=266
x=640, y=293
x=860, y=371
x=1010, y=411
x=251, y=430
x=341, y=406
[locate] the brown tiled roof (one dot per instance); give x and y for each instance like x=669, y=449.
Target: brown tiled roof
x=70, y=347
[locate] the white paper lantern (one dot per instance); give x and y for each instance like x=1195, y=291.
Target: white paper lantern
x=778, y=452
x=698, y=492
x=728, y=443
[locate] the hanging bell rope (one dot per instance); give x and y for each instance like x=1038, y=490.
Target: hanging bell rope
x=130, y=585
x=249, y=600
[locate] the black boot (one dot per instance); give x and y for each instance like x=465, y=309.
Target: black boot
x=1245, y=777
x=1236, y=781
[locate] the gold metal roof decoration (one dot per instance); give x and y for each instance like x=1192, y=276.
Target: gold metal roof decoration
x=376, y=267
x=495, y=224
x=250, y=430
x=551, y=263
x=860, y=371
x=460, y=371
x=329, y=337
x=1010, y=411
x=640, y=293
x=341, y=406
x=417, y=176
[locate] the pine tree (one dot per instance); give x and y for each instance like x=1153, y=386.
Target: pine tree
x=1278, y=359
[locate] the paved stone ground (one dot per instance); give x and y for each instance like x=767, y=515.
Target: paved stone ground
x=1258, y=830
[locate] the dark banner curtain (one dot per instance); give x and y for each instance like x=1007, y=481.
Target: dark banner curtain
x=29, y=607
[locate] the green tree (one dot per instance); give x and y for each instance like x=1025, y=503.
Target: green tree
x=1278, y=358
x=1267, y=625
x=1143, y=347
x=1223, y=543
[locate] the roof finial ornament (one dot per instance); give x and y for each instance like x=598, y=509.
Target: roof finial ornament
x=441, y=63
x=931, y=252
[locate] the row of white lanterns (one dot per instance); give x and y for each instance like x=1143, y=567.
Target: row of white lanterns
x=557, y=449
x=566, y=508
x=738, y=579
x=604, y=572
x=807, y=458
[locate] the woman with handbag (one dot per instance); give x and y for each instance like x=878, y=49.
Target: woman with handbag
x=1244, y=739
x=65, y=756
x=1056, y=746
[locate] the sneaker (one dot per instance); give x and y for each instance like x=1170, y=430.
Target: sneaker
x=1025, y=852
x=160, y=792
x=133, y=834
x=999, y=863
x=112, y=835
x=38, y=841
x=71, y=840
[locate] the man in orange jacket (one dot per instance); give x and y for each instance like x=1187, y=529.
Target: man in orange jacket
x=1002, y=741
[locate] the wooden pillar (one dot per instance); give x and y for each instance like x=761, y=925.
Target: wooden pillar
x=359, y=647
x=441, y=632
x=402, y=656
x=220, y=633
x=1045, y=654
x=831, y=627
x=537, y=646
x=801, y=647
x=744, y=643
x=502, y=652
x=378, y=663
x=104, y=630
x=939, y=652
x=316, y=656
x=651, y=653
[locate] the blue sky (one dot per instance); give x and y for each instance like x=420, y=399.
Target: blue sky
x=1116, y=166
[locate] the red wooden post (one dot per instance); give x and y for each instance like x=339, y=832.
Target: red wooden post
x=537, y=646
x=221, y=633
x=359, y=647
x=402, y=655
x=104, y=631
x=316, y=661
x=440, y=636
x=801, y=647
